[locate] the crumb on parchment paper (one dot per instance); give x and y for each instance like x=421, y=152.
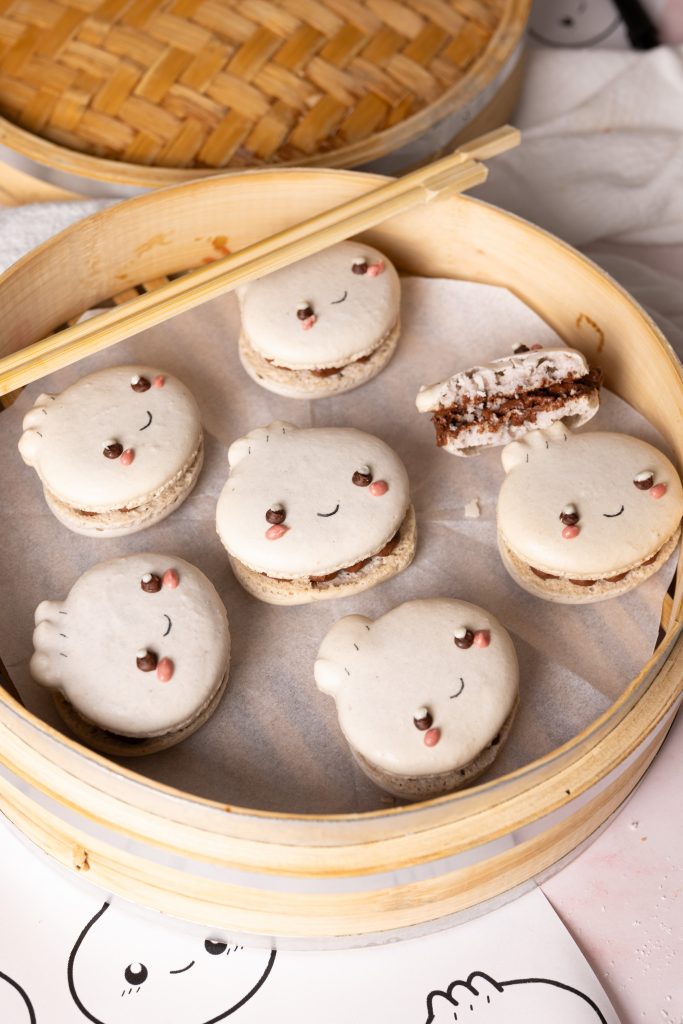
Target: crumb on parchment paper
x=472, y=510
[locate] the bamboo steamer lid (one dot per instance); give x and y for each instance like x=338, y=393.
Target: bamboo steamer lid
x=202, y=85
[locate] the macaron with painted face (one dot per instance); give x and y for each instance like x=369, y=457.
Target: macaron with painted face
x=137, y=654
x=322, y=325
x=117, y=451
x=425, y=694
x=311, y=514
x=588, y=516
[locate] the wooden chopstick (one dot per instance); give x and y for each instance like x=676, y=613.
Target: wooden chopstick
x=453, y=173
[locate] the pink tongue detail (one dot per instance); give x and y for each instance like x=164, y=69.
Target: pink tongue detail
x=165, y=670
x=276, y=531
x=375, y=269
x=658, y=491
x=378, y=488
x=432, y=737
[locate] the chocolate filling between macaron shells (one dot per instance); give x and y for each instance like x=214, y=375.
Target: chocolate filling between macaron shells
x=384, y=552
x=325, y=371
x=542, y=575
x=487, y=413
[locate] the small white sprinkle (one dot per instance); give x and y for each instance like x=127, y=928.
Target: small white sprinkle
x=135, y=379
x=364, y=470
x=110, y=442
x=276, y=507
x=421, y=713
x=359, y=260
x=147, y=577
x=302, y=305
x=569, y=510
x=141, y=653
x=460, y=633
x=645, y=475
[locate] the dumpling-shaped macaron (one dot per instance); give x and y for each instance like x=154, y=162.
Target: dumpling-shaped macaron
x=322, y=325
x=117, y=451
x=588, y=516
x=425, y=694
x=137, y=653
x=308, y=514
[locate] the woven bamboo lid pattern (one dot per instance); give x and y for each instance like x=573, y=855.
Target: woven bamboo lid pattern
x=218, y=83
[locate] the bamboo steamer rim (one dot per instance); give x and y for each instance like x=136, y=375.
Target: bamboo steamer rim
x=521, y=780
x=36, y=108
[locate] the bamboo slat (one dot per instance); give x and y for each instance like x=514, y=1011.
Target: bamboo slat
x=454, y=173
x=207, y=85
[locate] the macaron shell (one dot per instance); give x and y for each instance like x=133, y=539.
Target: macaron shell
x=64, y=437
x=381, y=672
x=354, y=312
x=331, y=522
x=87, y=646
x=620, y=526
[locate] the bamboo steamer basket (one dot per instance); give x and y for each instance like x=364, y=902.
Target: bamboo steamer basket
x=147, y=94
x=315, y=881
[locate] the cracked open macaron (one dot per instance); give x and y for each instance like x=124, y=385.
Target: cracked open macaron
x=117, y=451
x=425, y=694
x=500, y=401
x=137, y=655
x=588, y=516
x=316, y=513
x=322, y=325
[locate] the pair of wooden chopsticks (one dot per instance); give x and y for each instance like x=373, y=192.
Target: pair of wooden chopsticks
x=454, y=173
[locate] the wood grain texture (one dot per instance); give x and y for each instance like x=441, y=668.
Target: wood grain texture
x=207, y=85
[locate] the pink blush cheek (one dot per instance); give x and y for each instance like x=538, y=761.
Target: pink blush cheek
x=432, y=737
x=276, y=532
x=658, y=491
x=159, y=381
x=127, y=457
x=165, y=670
x=378, y=488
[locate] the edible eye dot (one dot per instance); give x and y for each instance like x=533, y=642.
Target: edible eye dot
x=214, y=947
x=139, y=383
x=150, y=583
x=304, y=310
x=111, y=449
x=463, y=638
x=276, y=514
x=362, y=476
x=135, y=974
x=645, y=480
x=360, y=265
x=569, y=515
x=422, y=719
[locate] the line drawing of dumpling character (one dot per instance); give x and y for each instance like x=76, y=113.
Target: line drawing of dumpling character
x=481, y=1000
x=15, y=1005
x=124, y=970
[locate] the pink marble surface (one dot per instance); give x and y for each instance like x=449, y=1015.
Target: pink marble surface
x=622, y=899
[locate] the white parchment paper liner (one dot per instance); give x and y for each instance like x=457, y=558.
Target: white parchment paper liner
x=274, y=742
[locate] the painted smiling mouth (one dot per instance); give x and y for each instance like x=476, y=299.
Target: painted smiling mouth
x=149, y=421
x=337, y=301
x=462, y=687
x=326, y=515
x=613, y=515
x=168, y=628
x=183, y=969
